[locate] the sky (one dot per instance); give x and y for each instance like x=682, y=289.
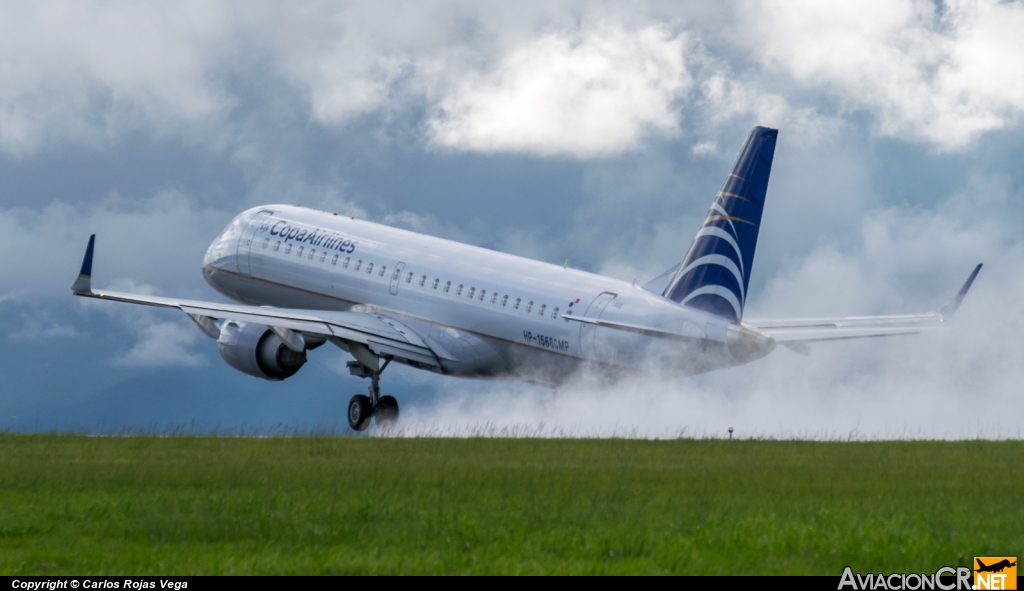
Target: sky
x=590, y=132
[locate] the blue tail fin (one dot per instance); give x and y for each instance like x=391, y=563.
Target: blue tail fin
x=716, y=270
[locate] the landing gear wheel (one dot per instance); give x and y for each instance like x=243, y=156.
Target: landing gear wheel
x=386, y=412
x=360, y=411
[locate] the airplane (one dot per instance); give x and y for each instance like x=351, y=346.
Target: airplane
x=994, y=568
x=302, y=278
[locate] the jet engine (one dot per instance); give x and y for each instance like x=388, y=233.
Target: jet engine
x=255, y=350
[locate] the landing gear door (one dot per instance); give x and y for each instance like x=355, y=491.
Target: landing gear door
x=588, y=332
x=246, y=240
x=396, y=277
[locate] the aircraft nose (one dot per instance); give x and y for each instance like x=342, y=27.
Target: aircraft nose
x=223, y=250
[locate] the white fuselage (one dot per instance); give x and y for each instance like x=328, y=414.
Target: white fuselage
x=495, y=314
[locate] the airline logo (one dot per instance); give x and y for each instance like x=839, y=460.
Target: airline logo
x=289, y=231
x=995, y=572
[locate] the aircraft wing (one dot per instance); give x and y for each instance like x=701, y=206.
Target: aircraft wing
x=795, y=331
x=381, y=334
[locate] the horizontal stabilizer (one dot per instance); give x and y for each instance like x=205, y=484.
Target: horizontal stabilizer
x=807, y=330
x=949, y=309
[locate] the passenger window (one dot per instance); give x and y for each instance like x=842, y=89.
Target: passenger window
x=542, y=308
x=323, y=257
x=529, y=307
x=408, y=279
x=277, y=246
x=344, y=265
x=396, y=274
x=312, y=253
x=458, y=291
x=554, y=313
x=334, y=260
x=447, y=285
x=369, y=268
x=382, y=269
x=471, y=291
x=301, y=248
x=483, y=292
x=359, y=263
x=494, y=297
x=288, y=249
x=515, y=306
x=423, y=281
x=266, y=241
x=504, y=300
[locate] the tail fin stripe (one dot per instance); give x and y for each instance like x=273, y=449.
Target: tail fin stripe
x=723, y=216
x=719, y=291
x=718, y=218
x=733, y=195
x=721, y=261
x=716, y=232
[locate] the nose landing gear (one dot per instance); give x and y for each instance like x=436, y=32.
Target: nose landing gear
x=362, y=408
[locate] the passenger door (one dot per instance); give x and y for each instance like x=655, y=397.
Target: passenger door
x=396, y=277
x=247, y=239
x=588, y=332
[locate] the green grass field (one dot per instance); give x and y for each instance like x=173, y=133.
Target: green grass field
x=321, y=505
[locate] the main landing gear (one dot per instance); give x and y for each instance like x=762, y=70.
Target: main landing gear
x=362, y=408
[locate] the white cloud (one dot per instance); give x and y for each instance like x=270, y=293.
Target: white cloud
x=599, y=91
x=943, y=73
x=163, y=344
x=87, y=71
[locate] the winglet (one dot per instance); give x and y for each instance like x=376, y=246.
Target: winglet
x=949, y=309
x=83, y=285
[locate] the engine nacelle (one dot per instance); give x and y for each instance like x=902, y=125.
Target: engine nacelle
x=255, y=350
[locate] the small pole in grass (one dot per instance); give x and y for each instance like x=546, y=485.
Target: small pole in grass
x=730, y=433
